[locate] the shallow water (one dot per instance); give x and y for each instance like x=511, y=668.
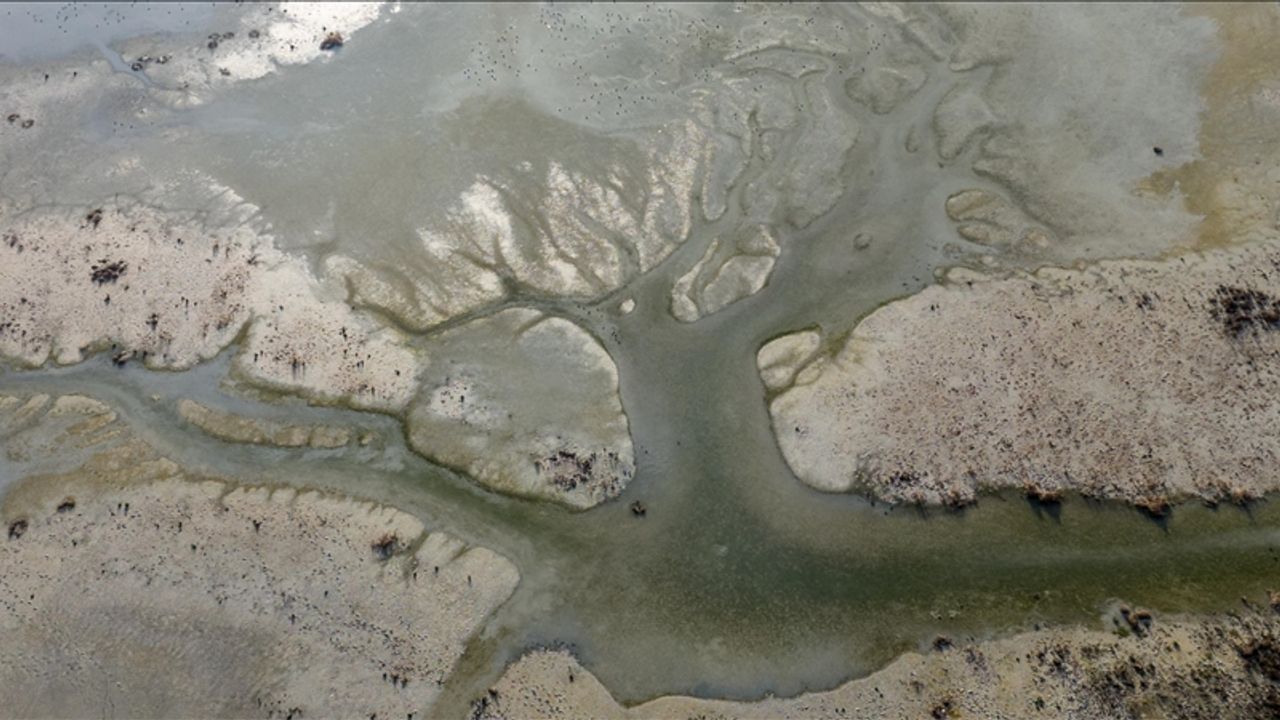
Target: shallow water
x=739, y=581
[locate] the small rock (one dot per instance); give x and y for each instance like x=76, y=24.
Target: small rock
x=332, y=41
x=1043, y=496
x=638, y=509
x=1156, y=507
x=1139, y=621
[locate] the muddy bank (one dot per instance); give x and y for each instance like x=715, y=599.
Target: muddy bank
x=759, y=169
x=260, y=431
x=1224, y=666
x=131, y=584
x=169, y=290
x=559, y=434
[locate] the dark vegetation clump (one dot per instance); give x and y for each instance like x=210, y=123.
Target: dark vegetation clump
x=1243, y=311
x=1262, y=655
x=568, y=470
x=105, y=271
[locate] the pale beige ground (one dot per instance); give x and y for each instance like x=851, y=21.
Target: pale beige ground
x=1137, y=380
x=130, y=587
x=1219, y=667
x=170, y=290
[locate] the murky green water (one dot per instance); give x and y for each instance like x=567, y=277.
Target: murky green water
x=739, y=581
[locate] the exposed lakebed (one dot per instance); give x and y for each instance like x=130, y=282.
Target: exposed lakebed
x=453, y=167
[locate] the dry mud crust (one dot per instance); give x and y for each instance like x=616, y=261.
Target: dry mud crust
x=1218, y=667
x=1135, y=380
x=169, y=290
x=129, y=585
x=165, y=289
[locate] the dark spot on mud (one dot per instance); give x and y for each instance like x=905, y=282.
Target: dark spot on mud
x=13, y=118
x=28, y=123
x=105, y=271
x=567, y=469
x=1242, y=311
x=638, y=509
x=94, y=217
x=386, y=546
x=1261, y=655
x=17, y=528
x=136, y=66
x=942, y=643
x=904, y=478
x=1158, y=151
x=332, y=41
x=253, y=34
x=67, y=505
